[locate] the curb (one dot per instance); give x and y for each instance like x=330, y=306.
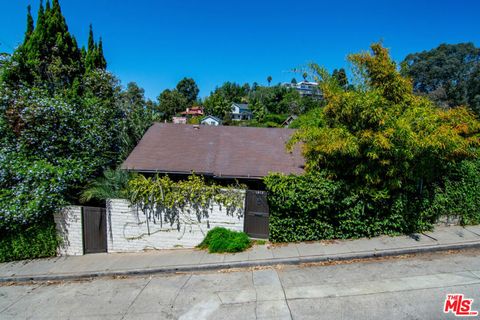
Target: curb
x=243, y=264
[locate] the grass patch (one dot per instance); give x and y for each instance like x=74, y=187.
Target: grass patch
x=221, y=240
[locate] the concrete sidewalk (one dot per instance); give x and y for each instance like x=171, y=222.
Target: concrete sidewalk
x=185, y=260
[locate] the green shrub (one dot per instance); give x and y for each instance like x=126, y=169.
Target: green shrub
x=460, y=193
x=276, y=118
x=35, y=241
x=315, y=206
x=224, y=240
x=313, y=118
x=301, y=207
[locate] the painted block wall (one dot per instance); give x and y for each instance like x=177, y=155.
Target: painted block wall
x=68, y=223
x=127, y=229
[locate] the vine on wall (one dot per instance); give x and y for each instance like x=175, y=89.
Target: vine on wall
x=184, y=203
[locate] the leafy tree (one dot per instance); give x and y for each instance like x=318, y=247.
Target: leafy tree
x=60, y=125
x=30, y=26
x=294, y=81
x=445, y=73
x=94, y=58
x=189, y=89
x=313, y=118
x=49, y=56
x=341, y=77
x=382, y=138
x=217, y=104
x=473, y=90
x=305, y=76
x=269, y=79
x=281, y=100
x=377, y=157
x=220, y=100
x=137, y=116
x=171, y=102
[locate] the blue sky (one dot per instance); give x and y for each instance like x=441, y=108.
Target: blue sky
x=156, y=43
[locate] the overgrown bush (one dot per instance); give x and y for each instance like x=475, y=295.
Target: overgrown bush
x=35, y=241
x=315, y=206
x=379, y=160
x=220, y=240
x=460, y=193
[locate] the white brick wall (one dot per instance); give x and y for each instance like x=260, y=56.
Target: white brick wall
x=69, y=226
x=127, y=231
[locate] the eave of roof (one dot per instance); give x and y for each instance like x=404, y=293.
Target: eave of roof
x=221, y=152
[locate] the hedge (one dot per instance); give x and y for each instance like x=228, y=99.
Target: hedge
x=316, y=206
x=35, y=241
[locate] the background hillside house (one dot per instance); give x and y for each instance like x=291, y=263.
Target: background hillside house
x=211, y=121
x=305, y=88
x=241, y=111
x=193, y=112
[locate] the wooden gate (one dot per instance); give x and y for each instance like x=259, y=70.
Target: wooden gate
x=94, y=230
x=256, y=214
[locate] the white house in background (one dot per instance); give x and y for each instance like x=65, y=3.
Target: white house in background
x=211, y=121
x=305, y=88
x=241, y=111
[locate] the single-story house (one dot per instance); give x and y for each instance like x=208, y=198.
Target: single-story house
x=222, y=153
x=241, y=111
x=211, y=121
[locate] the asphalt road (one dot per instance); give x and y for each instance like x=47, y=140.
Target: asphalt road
x=411, y=287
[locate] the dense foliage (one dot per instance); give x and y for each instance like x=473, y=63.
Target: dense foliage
x=171, y=102
x=35, y=241
x=265, y=102
x=380, y=159
x=63, y=120
x=381, y=137
x=113, y=184
x=459, y=194
x=189, y=89
x=219, y=240
x=448, y=74
x=387, y=150
x=181, y=203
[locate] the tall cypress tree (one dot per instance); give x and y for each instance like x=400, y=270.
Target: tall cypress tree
x=30, y=26
x=50, y=56
x=94, y=58
x=90, y=54
x=91, y=40
x=41, y=15
x=101, y=62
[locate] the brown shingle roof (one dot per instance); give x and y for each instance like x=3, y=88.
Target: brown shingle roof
x=223, y=151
